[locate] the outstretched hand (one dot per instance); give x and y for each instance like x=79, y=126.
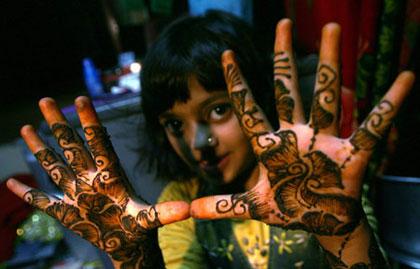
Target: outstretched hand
x=98, y=203
x=309, y=178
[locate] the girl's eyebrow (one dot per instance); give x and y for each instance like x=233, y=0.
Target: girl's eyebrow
x=217, y=95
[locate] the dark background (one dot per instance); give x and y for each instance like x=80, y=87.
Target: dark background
x=43, y=43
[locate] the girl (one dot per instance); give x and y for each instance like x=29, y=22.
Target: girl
x=297, y=177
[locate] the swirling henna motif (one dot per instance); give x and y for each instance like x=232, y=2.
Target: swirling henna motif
x=98, y=208
x=240, y=204
x=59, y=173
x=101, y=149
x=366, y=137
x=72, y=144
x=247, y=116
x=106, y=226
x=308, y=189
x=284, y=103
x=36, y=198
x=150, y=218
x=320, y=117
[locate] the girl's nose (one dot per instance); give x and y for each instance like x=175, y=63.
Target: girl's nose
x=203, y=137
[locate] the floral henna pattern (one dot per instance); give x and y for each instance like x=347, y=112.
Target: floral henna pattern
x=308, y=189
x=98, y=209
x=284, y=103
x=320, y=116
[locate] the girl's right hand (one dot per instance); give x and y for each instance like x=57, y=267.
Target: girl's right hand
x=98, y=202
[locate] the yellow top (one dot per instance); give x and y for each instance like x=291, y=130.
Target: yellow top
x=181, y=248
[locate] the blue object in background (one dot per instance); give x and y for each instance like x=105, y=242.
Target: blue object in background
x=240, y=8
x=92, y=78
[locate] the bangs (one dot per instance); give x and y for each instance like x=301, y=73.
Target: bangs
x=168, y=75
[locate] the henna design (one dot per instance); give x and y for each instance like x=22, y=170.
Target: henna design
x=97, y=211
x=232, y=76
x=284, y=103
x=308, y=189
x=59, y=173
x=366, y=137
x=106, y=225
x=376, y=260
x=246, y=115
x=72, y=144
x=240, y=204
x=281, y=65
x=320, y=116
x=150, y=217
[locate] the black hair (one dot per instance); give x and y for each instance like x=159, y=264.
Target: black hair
x=192, y=46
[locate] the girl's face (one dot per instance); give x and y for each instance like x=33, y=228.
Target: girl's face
x=189, y=125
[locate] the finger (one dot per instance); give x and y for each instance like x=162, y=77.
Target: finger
x=96, y=135
x=111, y=176
x=163, y=213
x=30, y=195
x=244, y=206
x=67, y=138
x=286, y=87
x=50, y=161
x=249, y=114
x=326, y=101
x=377, y=122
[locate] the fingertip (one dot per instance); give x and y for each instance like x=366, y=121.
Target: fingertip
x=82, y=102
x=284, y=24
x=11, y=183
x=46, y=102
x=17, y=187
x=330, y=44
x=27, y=130
x=331, y=28
x=228, y=57
x=283, y=40
x=407, y=75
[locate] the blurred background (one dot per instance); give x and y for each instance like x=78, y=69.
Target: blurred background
x=64, y=49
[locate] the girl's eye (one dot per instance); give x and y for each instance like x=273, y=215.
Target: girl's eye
x=173, y=126
x=220, y=112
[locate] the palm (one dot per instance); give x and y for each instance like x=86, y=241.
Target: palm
x=309, y=178
x=97, y=203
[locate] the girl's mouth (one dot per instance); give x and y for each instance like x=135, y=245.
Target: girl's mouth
x=215, y=165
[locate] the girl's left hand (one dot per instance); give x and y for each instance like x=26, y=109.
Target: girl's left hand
x=309, y=178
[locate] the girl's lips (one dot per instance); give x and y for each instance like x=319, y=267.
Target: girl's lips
x=223, y=162
x=214, y=165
